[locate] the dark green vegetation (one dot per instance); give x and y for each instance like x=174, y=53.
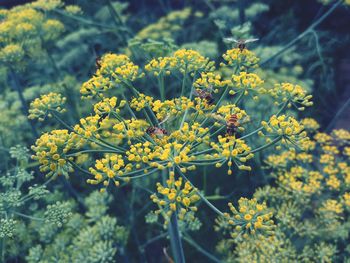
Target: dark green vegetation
x=51, y=46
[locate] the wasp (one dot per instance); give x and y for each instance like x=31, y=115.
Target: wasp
x=241, y=43
x=205, y=94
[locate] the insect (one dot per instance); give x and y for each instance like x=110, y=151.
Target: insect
x=205, y=94
x=157, y=131
x=233, y=123
x=98, y=62
x=241, y=43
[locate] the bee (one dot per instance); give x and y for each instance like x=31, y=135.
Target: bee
x=156, y=131
x=241, y=43
x=205, y=94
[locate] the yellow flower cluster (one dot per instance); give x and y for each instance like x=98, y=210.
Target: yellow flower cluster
x=47, y=5
x=327, y=2
x=51, y=151
x=183, y=60
x=323, y=138
x=117, y=67
x=180, y=133
x=193, y=132
x=346, y=200
x=130, y=129
x=173, y=153
x=52, y=29
x=292, y=95
x=88, y=127
x=141, y=102
x=286, y=127
x=226, y=111
x=11, y=54
x=281, y=160
x=73, y=9
x=23, y=30
x=113, y=70
x=169, y=108
x=331, y=207
x=96, y=86
x=211, y=80
x=110, y=168
x=231, y=150
x=240, y=59
x=342, y=136
x=108, y=106
x=310, y=124
x=316, y=190
x=42, y=107
x=333, y=182
x=246, y=82
x=251, y=218
x=301, y=181
x=175, y=197
x=166, y=26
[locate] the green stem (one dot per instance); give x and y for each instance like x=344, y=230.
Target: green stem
x=186, y=111
x=153, y=239
x=16, y=86
x=183, y=83
x=241, y=8
x=282, y=109
x=205, y=200
x=239, y=97
x=200, y=249
x=84, y=21
x=339, y=112
x=307, y=31
x=277, y=139
x=29, y=217
x=161, y=86
x=261, y=128
x=3, y=249
x=67, y=126
x=175, y=240
x=92, y=151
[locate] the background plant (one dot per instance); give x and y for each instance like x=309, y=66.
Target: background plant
x=301, y=44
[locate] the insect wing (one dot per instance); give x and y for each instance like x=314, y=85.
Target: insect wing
x=230, y=40
x=251, y=40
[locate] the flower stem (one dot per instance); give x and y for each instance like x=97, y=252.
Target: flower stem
x=161, y=87
x=200, y=249
x=307, y=31
x=277, y=139
x=175, y=240
x=16, y=86
x=205, y=200
x=183, y=83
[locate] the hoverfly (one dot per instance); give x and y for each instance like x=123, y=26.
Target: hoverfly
x=232, y=123
x=205, y=94
x=241, y=43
